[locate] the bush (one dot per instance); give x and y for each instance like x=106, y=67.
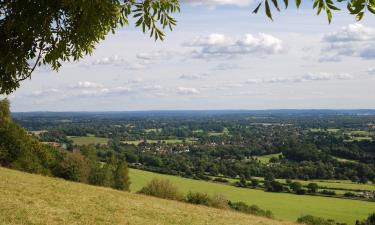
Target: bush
x=220, y=180
x=350, y=194
x=273, y=186
x=301, y=192
x=312, y=220
x=328, y=192
x=253, y=209
x=369, y=221
x=162, y=188
x=199, y=198
x=312, y=187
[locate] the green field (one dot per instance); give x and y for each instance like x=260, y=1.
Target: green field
x=224, y=132
x=284, y=206
x=27, y=199
x=156, y=130
x=266, y=158
x=88, y=140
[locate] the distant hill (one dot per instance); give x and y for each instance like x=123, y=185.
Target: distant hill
x=34, y=199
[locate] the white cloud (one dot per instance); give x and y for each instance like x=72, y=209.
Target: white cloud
x=220, y=45
x=220, y=2
x=352, y=32
x=326, y=76
x=371, y=71
x=45, y=93
x=87, y=84
x=193, y=76
x=187, y=91
x=152, y=87
x=304, y=78
x=119, y=61
x=155, y=55
x=354, y=40
x=211, y=39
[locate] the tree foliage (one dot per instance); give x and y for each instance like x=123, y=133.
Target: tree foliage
x=355, y=7
x=34, y=33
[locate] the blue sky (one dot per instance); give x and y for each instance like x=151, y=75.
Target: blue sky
x=220, y=56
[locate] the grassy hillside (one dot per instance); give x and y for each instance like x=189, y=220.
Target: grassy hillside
x=284, y=206
x=33, y=199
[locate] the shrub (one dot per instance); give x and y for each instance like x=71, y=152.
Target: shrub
x=312, y=220
x=273, y=186
x=253, y=209
x=369, y=221
x=312, y=187
x=328, y=192
x=218, y=201
x=199, y=198
x=221, y=180
x=349, y=194
x=161, y=188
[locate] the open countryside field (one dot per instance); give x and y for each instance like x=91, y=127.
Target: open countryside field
x=33, y=199
x=284, y=206
x=266, y=158
x=88, y=140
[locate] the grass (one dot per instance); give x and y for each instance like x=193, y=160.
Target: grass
x=81, y=140
x=33, y=199
x=330, y=130
x=266, y=158
x=335, y=184
x=156, y=130
x=224, y=132
x=284, y=206
x=344, y=160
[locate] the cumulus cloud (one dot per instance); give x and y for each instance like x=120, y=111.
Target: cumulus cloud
x=354, y=40
x=44, y=93
x=352, y=32
x=155, y=55
x=87, y=84
x=187, y=91
x=304, y=78
x=240, y=3
x=220, y=45
x=371, y=71
x=193, y=76
x=119, y=61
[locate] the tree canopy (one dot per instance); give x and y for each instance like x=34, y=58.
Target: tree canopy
x=41, y=32
x=35, y=32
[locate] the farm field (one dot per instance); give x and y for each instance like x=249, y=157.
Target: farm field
x=266, y=158
x=342, y=210
x=33, y=199
x=81, y=140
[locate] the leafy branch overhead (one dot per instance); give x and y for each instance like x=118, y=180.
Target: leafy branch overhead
x=35, y=33
x=355, y=7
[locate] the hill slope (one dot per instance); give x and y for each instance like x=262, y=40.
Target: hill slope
x=33, y=199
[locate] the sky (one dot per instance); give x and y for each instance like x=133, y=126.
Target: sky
x=220, y=56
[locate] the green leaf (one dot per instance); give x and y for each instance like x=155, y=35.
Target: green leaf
x=298, y=3
x=257, y=8
x=359, y=16
x=286, y=2
x=276, y=4
x=268, y=10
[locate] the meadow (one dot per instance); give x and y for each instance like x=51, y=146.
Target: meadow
x=284, y=206
x=81, y=140
x=34, y=199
